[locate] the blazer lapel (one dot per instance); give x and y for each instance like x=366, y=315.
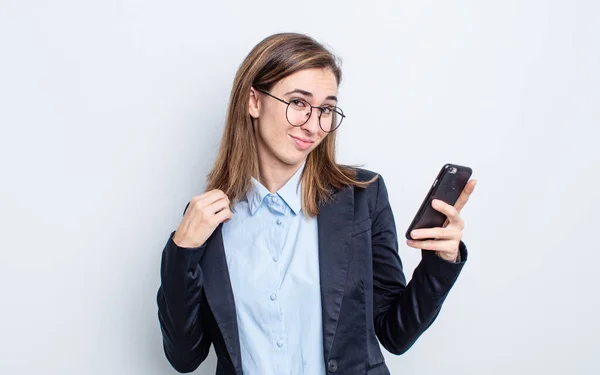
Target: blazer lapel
x=335, y=227
x=217, y=286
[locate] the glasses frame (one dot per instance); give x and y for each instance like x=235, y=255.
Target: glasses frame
x=336, y=109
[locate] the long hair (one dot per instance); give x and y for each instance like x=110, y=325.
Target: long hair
x=271, y=60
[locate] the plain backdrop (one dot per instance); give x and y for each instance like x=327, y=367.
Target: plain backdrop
x=111, y=113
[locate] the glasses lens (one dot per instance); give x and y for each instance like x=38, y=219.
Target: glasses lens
x=298, y=112
x=331, y=118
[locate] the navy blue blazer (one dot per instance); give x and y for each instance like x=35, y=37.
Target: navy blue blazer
x=364, y=295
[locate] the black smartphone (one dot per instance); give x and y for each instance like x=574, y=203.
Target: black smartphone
x=448, y=185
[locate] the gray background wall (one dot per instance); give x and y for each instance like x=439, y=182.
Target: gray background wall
x=111, y=113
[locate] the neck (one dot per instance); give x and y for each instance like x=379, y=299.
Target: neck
x=273, y=175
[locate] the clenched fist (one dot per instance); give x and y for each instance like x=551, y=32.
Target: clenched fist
x=204, y=213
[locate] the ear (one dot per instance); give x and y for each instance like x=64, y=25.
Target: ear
x=253, y=103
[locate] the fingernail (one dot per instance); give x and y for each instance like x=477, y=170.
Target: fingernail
x=413, y=233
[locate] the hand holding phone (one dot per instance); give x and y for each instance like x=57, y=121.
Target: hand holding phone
x=448, y=185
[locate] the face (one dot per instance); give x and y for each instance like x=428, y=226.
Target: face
x=279, y=143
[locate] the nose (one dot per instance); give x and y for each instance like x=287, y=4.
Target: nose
x=312, y=125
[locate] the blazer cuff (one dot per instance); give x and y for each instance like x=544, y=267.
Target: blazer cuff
x=442, y=267
x=188, y=257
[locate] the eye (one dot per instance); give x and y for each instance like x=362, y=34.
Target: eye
x=327, y=110
x=298, y=103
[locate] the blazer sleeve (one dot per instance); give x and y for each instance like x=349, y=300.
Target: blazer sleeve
x=403, y=312
x=180, y=295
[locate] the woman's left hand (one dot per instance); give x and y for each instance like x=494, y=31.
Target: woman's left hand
x=447, y=237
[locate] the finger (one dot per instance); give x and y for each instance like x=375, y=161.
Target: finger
x=224, y=215
x=210, y=197
x=437, y=233
x=460, y=224
x=217, y=206
x=215, y=195
x=446, y=223
x=437, y=245
x=448, y=210
x=464, y=196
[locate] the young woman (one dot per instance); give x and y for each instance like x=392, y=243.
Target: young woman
x=289, y=263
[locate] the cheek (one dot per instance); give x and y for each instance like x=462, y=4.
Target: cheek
x=275, y=117
x=320, y=140
x=273, y=131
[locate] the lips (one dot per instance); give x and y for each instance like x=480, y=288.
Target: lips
x=305, y=140
x=302, y=143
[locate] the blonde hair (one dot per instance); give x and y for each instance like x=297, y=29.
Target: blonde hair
x=271, y=60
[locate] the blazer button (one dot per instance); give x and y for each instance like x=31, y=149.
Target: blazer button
x=332, y=365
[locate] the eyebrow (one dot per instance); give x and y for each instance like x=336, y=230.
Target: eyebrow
x=306, y=93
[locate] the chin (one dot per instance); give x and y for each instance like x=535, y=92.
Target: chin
x=295, y=159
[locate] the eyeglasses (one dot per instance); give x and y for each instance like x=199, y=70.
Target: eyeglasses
x=298, y=113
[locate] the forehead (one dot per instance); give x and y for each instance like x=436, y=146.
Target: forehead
x=320, y=82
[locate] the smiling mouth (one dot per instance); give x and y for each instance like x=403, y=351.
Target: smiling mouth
x=301, y=144
x=302, y=140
